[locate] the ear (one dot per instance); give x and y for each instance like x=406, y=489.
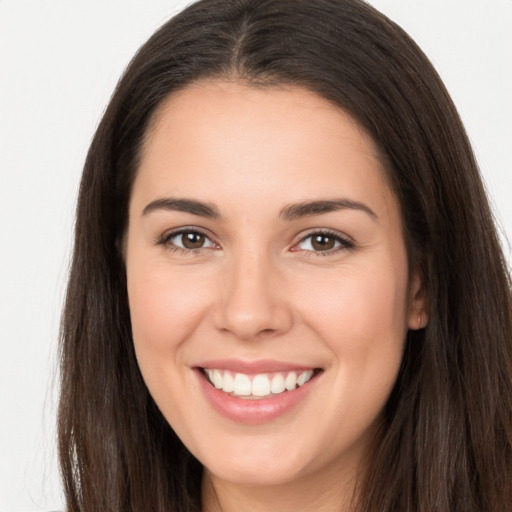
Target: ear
x=418, y=303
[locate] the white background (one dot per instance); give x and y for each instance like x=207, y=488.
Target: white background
x=59, y=62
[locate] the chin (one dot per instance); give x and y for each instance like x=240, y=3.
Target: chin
x=259, y=463
x=252, y=474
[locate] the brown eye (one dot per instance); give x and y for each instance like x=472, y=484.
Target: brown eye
x=189, y=240
x=193, y=240
x=322, y=242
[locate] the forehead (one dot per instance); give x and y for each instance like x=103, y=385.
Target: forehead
x=256, y=141
x=251, y=108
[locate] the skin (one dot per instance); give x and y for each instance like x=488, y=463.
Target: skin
x=258, y=289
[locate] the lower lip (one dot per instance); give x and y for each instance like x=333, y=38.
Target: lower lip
x=253, y=411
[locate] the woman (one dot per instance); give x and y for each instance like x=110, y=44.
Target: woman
x=287, y=291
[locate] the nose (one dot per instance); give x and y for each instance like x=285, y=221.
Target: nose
x=252, y=300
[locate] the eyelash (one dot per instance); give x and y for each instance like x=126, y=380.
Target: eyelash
x=165, y=240
x=344, y=242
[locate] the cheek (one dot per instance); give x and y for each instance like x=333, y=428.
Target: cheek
x=362, y=318
x=359, y=302
x=165, y=308
x=362, y=321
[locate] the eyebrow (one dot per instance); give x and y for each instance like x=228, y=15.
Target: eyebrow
x=183, y=205
x=290, y=212
x=311, y=208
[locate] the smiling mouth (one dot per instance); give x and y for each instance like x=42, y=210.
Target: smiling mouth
x=258, y=386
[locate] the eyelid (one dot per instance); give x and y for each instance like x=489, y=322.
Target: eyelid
x=345, y=242
x=164, y=239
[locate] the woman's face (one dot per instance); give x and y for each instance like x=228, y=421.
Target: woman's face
x=265, y=253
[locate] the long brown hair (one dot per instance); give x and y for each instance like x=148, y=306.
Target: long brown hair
x=446, y=444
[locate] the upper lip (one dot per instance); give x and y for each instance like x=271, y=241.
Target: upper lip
x=253, y=367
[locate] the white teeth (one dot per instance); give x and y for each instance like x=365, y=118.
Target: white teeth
x=290, y=382
x=261, y=385
x=242, y=385
x=229, y=383
x=277, y=385
x=304, y=377
x=217, y=379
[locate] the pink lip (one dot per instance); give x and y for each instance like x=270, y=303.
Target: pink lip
x=253, y=411
x=252, y=367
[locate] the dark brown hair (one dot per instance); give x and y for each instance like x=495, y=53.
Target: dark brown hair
x=446, y=444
